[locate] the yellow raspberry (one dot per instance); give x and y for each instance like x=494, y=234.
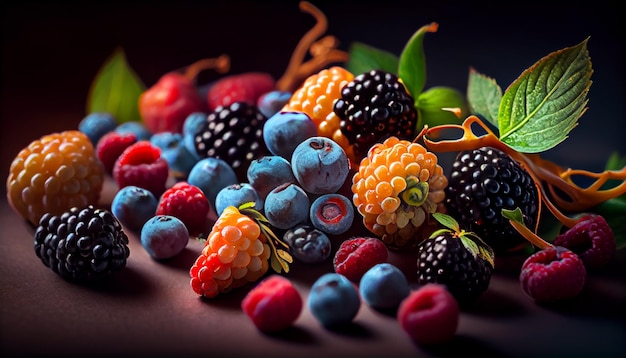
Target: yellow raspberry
x=53, y=174
x=396, y=189
x=316, y=97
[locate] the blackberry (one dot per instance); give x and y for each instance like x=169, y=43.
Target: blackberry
x=372, y=107
x=484, y=181
x=234, y=134
x=456, y=258
x=82, y=244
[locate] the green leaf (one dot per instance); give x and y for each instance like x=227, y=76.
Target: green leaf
x=364, y=58
x=484, y=96
x=433, y=107
x=447, y=221
x=543, y=105
x=116, y=89
x=514, y=215
x=412, y=65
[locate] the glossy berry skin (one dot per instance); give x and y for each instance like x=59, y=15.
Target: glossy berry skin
x=553, y=274
x=334, y=300
x=308, y=244
x=141, y=165
x=137, y=128
x=357, y=255
x=284, y=131
x=236, y=195
x=272, y=102
x=332, y=213
x=192, y=125
x=320, y=165
x=133, y=207
x=95, y=125
x=268, y=172
x=111, y=146
x=189, y=204
x=384, y=286
x=274, y=304
x=179, y=159
x=286, y=206
x=429, y=315
x=244, y=87
x=212, y=175
x=164, y=237
x=592, y=240
x=165, y=105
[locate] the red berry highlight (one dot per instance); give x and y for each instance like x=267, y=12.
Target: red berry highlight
x=357, y=255
x=141, y=165
x=189, y=204
x=273, y=305
x=245, y=87
x=111, y=146
x=592, y=240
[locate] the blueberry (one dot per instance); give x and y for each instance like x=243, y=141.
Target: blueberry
x=192, y=125
x=211, y=175
x=164, y=236
x=137, y=128
x=179, y=159
x=320, y=165
x=333, y=300
x=284, y=131
x=272, y=102
x=332, y=213
x=286, y=206
x=308, y=244
x=95, y=125
x=268, y=172
x=133, y=206
x=384, y=286
x=235, y=195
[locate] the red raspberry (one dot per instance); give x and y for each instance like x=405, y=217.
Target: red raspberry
x=357, y=255
x=188, y=203
x=429, y=315
x=552, y=274
x=245, y=87
x=111, y=146
x=591, y=239
x=273, y=305
x=141, y=165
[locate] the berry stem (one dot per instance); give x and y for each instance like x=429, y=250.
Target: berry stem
x=221, y=64
x=530, y=236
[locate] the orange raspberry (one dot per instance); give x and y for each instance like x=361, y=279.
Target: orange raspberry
x=396, y=189
x=236, y=252
x=316, y=97
x=53, y=174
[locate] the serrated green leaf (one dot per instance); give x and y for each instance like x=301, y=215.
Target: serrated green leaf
x=484, y=96
x=543, y=105
x=116, y=89
x=412, y=64
x=447, y=221
x=364, y=58
x=433, y=104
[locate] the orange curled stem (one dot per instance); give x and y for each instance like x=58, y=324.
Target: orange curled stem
x=221, y=64
x=530, y=236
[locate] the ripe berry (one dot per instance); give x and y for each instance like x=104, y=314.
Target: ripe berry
x=234, y=134
x=96, y=125
x=236, y=195
x=165, y=105
x=212, y=175
x=591, y=239
x=133, y=206
x=273, y=304
x=283, y=131
x=334, y=300
x=396, y=189
x=82, y=244
x=482, y=183
x=164, y=236
x=179, y=159
x=320, y=165
x=141, y=165
x=553, y=274
x=286, y=206
x=187, y=203
x=268, y=172
x=244, y=87
x=457, y=259
x=384, y=286
x=372, y=107
x=111, y=146
x=429, y=315
x=357, y=255
x=308, y=244
x=272, y=102
x=54, y=174
x=332, y=213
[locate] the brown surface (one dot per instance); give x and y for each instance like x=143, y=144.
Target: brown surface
x=51, y=53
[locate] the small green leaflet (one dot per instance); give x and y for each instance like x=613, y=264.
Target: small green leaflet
x=116, y=89
x=412, y=65
x=364, y=58
x=484, y=96
x=543, y=105
x=430, y=105
x=447, y=221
